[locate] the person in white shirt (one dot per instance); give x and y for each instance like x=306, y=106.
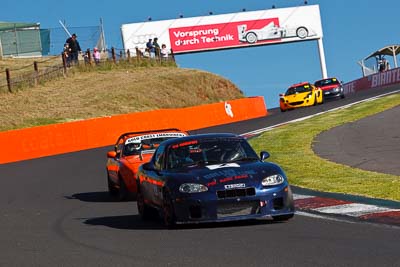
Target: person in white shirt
x=164, y=51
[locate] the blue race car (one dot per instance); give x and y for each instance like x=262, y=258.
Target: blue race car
x=212, y=178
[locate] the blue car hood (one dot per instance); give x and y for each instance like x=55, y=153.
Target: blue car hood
x=218, y=174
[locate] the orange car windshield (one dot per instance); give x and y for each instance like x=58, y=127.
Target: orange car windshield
x=144, y=146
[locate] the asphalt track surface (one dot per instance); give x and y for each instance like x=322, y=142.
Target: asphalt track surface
x=55, y=211
x=371, y=143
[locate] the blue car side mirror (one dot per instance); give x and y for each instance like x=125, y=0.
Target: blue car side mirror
x=264, y=155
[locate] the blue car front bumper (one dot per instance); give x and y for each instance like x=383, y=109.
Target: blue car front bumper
x=244, y=205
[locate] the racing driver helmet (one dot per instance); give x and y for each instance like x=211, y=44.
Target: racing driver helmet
x=134, y=147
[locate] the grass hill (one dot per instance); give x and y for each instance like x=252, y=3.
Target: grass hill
x=102, y=92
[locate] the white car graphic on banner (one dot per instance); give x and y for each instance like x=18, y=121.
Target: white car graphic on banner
x=272, y=31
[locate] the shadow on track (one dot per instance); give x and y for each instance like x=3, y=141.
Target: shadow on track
x=134, y=222
x=92, y=197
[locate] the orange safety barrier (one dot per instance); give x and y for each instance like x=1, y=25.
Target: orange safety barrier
x=74, y=136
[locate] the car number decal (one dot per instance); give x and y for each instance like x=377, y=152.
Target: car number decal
x=231, y=186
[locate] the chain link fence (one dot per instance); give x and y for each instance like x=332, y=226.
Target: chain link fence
x=88, y=38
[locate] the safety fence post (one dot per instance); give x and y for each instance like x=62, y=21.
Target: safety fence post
x=138, y=55
x=88, y=57
x=128, y=54
x=172, y=55
x=8, y=76
x=113, y=55
x=36, y=74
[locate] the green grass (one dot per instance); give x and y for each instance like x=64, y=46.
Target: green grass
x=291, y=147
x=108, y=89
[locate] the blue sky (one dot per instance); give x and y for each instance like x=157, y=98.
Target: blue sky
x=352, y=30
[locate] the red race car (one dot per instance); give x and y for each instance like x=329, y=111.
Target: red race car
x=331, y=87
x=131, y=150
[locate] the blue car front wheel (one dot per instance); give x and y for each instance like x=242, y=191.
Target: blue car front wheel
x=168, y=211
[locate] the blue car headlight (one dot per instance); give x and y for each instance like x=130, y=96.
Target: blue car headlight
x=192, y=188
x=273, y=180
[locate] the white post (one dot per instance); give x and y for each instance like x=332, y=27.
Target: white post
x=322, y=59
x=65, y=28
x=103, y=37
x=394, y=56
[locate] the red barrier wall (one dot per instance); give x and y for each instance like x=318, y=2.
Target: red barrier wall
x=377, y=80
x=80, y=135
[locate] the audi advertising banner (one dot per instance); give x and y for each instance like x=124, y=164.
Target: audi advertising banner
x=196, y=34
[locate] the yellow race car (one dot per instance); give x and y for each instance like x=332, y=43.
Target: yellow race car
x=301, y=95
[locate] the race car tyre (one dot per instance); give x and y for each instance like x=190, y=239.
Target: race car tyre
x=302, y=32
x=283, y=110
x=112, y=190
x=315, y=101
x=168, y=212
x=145, y=211
x=281, y=218
x=251, y=38
x=123, y=193
x=342, y=96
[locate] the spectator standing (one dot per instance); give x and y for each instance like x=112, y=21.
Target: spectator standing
x=74, y=47
x=96, y=56
x=383, y=64
x=150, y=48
x=387, y=65
x=164, y=52
x=156, y=47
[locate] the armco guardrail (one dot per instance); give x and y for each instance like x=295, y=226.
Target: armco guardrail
x=67, y=137
x=377, y=80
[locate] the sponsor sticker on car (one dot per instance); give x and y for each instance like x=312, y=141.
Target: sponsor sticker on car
x=151, y=136
x=231, y=186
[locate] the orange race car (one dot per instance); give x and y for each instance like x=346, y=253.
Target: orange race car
x=131, y=150
x=301, y=95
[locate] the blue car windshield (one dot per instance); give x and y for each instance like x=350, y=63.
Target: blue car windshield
x=209, y=151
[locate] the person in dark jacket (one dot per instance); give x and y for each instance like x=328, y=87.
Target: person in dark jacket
x=74, y=48
x=156, y=47
x=150, y=48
